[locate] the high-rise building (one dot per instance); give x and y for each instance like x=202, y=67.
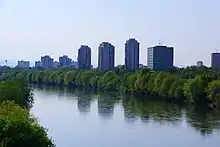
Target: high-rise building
x=37, y=64
x=23, y=64
x=131, y=55
x=84, y=57
x=65, y=61
x=106, y=59
x=160, y=57
x=46, y=62
x=215, y=60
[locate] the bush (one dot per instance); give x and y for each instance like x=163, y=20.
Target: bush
x=19, y=129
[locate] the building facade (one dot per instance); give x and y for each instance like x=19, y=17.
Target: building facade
x=106, y=57
x=131, y=55
x=215, y=60
x=84, y=57
x=65, y=61
x=37, y=64
x=46, y=62
x=23, y=64
x=160, y=57
x=56, y=64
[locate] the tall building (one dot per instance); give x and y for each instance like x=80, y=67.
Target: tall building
x=106, y=59
x=46, y=62
x=23, y=64
x=65, y=61
x=160, y=57
x=37, y=64
x=131, y=55
x=215, y=60
x=84, y=57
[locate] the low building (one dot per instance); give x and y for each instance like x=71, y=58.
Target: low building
x=37, y=64
x=56, y=64
x=23, y=64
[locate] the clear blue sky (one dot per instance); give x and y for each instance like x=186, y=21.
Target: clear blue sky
x=31, y=28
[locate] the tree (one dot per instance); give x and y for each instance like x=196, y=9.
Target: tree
x=213, y=92
x=19, y=128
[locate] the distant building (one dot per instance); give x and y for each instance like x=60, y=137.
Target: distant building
x=37, y=64
x=84, y=57
x=106, y=58
x=215, y=60
x=74, y=64
x=46, y=62
x=56, y=64
x=199, y=63
x=160, y=57
x=23, y=64
x=131, y=55
x=65, y=61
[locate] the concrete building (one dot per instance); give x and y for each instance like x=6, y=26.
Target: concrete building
x=215, y=60
x=74, y=64
x=37, y=64
x=106, y=58
x=199, y=63
x=46, y=62
x=23, y=64
x=160, y=57
x=56, y=64
x=84, y=57
x=131, y=55
x=65, y=61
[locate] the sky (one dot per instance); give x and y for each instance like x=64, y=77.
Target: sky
x=32, y=28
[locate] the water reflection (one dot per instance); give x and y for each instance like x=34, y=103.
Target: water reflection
x=139, y=109
x=106, y=103
x=203, y=120
x=149, y=110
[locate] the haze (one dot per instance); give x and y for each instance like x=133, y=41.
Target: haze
x=31, y=28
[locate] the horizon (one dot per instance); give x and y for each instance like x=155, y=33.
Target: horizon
x=31, y=29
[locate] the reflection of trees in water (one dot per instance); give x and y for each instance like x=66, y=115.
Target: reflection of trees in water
x=151, y=110
x=203, y=120
x=106, y=104
x=83, y=103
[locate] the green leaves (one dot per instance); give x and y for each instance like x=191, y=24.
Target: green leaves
x=19, y=128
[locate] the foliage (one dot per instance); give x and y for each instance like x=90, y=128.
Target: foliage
x=19, y=128
x=178, y=84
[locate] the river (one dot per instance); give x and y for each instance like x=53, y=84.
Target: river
x=84, y=119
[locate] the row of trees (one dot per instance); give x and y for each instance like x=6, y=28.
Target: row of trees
x=17, y=126
x=201, y=87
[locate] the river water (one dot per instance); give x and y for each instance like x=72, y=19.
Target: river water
x=84, y=119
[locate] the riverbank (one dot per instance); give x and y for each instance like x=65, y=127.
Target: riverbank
x=197, y=86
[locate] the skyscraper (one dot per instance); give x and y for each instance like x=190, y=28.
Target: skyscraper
x=84, y=57
x=215, y=60
x=160, y=57
x=65, y=61
x=131, y=55
x=106, y=59
x=46, y=62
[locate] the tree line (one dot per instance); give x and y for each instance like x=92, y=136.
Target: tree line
x=193, y=85
x=17, y=126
